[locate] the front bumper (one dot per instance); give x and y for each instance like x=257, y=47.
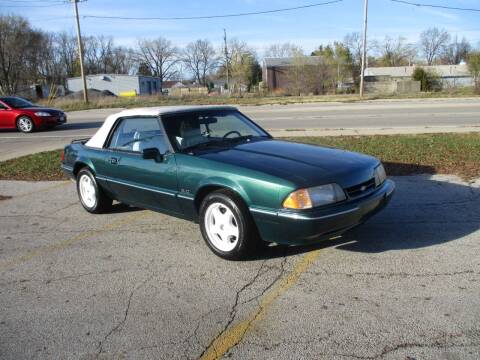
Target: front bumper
x=52, y=120
x=306, y=227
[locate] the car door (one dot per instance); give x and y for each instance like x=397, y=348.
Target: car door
x=131, y=178
x=7, y=117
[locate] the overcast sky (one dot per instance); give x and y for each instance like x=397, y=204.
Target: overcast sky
x=307, y=27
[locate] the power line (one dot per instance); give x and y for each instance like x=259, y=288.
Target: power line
x=435, y=6
x=35, y=6
x=214, y=16
x=33, y=1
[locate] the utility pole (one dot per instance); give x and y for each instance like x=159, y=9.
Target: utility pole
x=364, y=50
x=80, y=52
x=226, y=58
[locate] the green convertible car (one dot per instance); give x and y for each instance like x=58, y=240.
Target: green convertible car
x=213, y=165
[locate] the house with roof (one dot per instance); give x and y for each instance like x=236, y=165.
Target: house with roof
x=275, y=71
x=313, y=74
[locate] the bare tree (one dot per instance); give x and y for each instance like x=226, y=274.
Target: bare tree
x=283, y=50
x=395, y=52
x=243, y=64
x=50, y=67
x=122, y=60
x=433, y=42
x=200, y=58
x=19, y=53
x=66, y=46
x=456, y=52
x=160, y=56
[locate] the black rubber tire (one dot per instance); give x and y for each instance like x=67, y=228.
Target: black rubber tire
x=103, y=202
x=23, y=131
x=248, y=241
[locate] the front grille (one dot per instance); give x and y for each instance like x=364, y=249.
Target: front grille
x=361, y=189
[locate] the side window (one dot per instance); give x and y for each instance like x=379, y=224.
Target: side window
x=137, y=134
x=2, y=107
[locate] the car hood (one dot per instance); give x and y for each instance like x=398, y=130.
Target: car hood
x=304, y=165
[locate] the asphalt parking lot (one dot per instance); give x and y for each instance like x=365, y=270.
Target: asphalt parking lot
x=134, y=284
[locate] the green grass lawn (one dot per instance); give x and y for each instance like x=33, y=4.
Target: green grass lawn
x=36, y=167
x=457, y=154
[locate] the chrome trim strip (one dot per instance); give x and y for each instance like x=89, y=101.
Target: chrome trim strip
x=66, y=167
x=185, y=197
x=135, y=186
x=261, y=211
x=303, y=217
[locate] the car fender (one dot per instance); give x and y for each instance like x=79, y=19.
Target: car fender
x=29, y=114
x=225, y=183
x=82, y=162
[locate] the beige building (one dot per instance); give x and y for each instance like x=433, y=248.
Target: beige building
x=398, y=79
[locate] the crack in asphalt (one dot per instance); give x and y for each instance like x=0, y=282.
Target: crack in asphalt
x=125, y=316
x=389, y=349
x=68, y=277
x=441, y=341
x=65, y=207
x=392, y=274
x=237, y=303
x=33, y=216
x=233, y=310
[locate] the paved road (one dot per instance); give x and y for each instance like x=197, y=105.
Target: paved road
x=378, y=114
x=135, y=284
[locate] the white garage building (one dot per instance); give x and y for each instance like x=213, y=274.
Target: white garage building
x=117, y=84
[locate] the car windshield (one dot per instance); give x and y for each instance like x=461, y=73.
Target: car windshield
x=17, y=103
x=202, y=129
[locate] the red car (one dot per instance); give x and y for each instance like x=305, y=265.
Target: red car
x=20, y=114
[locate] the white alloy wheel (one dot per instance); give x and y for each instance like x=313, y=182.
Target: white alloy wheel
x=87, y=191
x=221, y=226
x=25, y=124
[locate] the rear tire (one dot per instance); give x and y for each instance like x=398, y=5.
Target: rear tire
x=25, y=124
x=91, y=195
x=227, y=226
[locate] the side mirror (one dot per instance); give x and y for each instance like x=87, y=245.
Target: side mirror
x=152, y=153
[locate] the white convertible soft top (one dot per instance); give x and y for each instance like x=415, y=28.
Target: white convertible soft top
x=98, y=140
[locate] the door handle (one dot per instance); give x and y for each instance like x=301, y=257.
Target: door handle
x=113, y=160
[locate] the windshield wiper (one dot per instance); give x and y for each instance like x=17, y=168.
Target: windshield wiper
x=245, y=137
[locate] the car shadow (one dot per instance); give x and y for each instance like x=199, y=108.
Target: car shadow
x=402, y=169
x=118, y=208
x=423, y=212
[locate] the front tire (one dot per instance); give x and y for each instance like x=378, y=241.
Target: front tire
x=92, y=197
x=227, y=226
x=25, y=124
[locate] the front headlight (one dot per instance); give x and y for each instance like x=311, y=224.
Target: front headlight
x=380, y=175
x=314, y=196
x=43, y=113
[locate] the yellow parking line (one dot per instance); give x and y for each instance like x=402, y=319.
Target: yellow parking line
x=233, y=335
x=6, y=264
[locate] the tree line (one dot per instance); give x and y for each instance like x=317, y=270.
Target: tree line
x=31, y=56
